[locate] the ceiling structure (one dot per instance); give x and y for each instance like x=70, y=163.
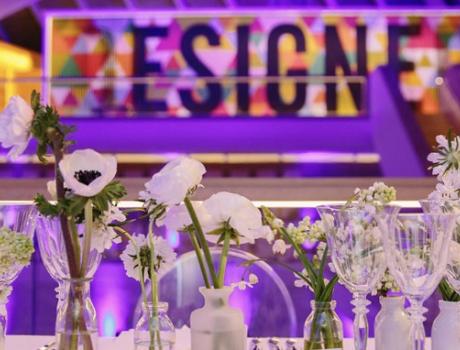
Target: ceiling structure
x=21, y=20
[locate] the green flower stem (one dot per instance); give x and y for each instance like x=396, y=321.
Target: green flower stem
x=200, y=259
x=57, y=146
x=72, y=226
x=71, y=245
x=141, y=274
x=223, y=259
x=312, y=276
x=447, y=292
x=327, y=335
x=202, y=241
x=87, y=238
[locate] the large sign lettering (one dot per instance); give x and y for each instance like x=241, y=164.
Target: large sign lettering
x=259, y=65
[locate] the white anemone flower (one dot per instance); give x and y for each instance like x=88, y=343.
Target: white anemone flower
x=105, y=235
x=172, y=183
x=86, y=172
x=177, y=217
x=447, y=155
x=15, y=123
x=164, y=256
x=239, y=213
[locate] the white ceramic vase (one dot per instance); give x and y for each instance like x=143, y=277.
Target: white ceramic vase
x=445, y=333
x=217, y=325
x=392, y=325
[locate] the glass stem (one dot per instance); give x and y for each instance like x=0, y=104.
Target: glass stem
x=360, y=324
x=4, y=292
x=417, y=332
x=2, y=324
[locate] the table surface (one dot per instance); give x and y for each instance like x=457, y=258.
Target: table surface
x=124, y=342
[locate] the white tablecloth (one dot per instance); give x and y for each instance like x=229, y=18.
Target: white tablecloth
x=124, y=342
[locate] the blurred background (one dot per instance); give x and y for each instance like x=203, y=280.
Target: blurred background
x=292, y=103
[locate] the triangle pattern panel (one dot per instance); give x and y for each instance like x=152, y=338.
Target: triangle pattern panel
x=88, y=47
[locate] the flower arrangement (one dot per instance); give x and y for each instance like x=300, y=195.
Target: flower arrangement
x=320, y=330
x=84, y=191
x=445, y=198
x=16, y=250
x=294, y=236
x=373, y=199
x=223, y=219
x=145, y=258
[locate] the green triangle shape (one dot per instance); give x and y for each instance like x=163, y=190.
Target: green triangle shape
x=351, y=58
x=318, y=65
x=445, y=38
x=70, y=69
x=256, y=38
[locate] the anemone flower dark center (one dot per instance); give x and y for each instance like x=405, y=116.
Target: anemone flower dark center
x=87, y=176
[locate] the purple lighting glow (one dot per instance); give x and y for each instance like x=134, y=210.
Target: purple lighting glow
x=173, y=239
x=109, y=290
x=109, y=329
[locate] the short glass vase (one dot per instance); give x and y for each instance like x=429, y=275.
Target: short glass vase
x=154, y=330
x=323, y=327
x=76, y=326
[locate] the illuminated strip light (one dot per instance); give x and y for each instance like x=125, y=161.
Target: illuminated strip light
x=257, y=11
x=265, y=203
x=230, y=158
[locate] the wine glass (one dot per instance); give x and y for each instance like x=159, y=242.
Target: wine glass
x=354, y=238
x=416, y=248
x=21, y=219
x=52, y=251
x=453, y=264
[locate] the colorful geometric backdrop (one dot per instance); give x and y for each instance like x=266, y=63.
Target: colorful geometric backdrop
x=101, y=46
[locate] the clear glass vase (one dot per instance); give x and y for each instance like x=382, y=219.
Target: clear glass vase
x=72, y=293
x=76, y=325
x=154, y=330
x=4, y=291
x=21, y=219
x=323, y=328
x=52, y=251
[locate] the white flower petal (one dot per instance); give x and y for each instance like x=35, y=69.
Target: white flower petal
x=171, y=184
x=240, y=214
x=87, y=160
x=15, y=122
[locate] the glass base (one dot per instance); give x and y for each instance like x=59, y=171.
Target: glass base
x=331, y=345
x=77, y=341
x=146, y=345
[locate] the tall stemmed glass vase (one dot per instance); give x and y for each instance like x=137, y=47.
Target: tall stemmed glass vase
x=357, y=254
x=416, y=248
x=54, y=257
x=76, y=324
x=21, y=219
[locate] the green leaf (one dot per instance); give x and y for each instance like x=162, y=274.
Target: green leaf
x=41, y=152
x=447, y=292
x=321, y=267
x=35, y=100
x=76, y=205
x=302, y=257
x=44, y=207
x=327, y=293
x=47, y=129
